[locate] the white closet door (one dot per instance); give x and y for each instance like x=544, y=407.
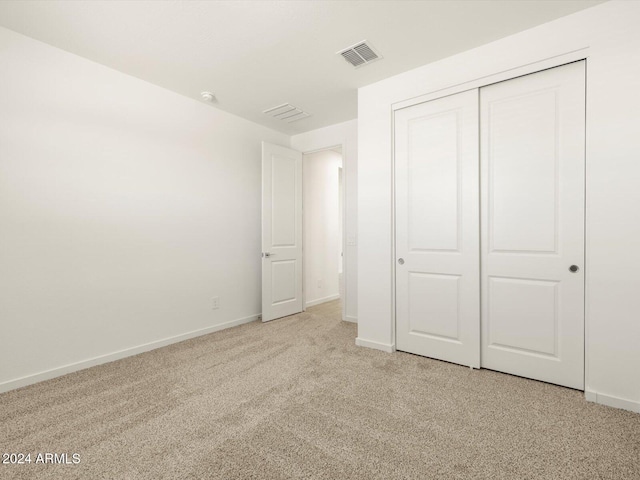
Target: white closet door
x=437, y=231
x=532, y=184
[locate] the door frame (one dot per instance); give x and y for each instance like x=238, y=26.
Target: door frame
x=544, y=64
x=343, y=241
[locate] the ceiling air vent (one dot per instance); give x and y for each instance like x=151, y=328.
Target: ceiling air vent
x=360, y=54
x=287, y=113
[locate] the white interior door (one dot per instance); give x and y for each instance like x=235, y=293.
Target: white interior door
x=281, y=231
x=437, y=231
x=533, y=174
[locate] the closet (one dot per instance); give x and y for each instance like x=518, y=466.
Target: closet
x=489, y=226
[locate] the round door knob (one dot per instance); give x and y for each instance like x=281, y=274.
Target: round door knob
x=401, y=261
x=574, y=268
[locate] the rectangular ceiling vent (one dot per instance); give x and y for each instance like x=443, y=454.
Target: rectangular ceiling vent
x=362, y=53
x=287, y=113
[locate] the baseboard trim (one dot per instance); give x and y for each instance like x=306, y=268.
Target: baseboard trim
x=351, y=319
x=611, y=401
x=385, y=347
x=110, y=357
x=330, y=298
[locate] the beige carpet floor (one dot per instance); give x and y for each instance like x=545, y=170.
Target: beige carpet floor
x=295, y=398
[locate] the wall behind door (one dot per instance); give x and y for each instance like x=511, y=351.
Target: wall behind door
x=610, y=31
x=124, y=209
x=322, y=240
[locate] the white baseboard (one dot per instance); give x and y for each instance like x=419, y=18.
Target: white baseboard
x=612, y=401
x=110, y=357
x=351, y=319
x=385, y=347
x=330, y=298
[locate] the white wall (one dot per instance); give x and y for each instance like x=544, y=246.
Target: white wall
x=611, y=36
x=322, y=236
x=124, y=208
x=345, y=134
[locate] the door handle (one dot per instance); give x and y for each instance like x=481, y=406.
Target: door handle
x=574, y=268
x=268, y=254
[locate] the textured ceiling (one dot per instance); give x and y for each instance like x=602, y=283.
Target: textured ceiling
x=257, y=54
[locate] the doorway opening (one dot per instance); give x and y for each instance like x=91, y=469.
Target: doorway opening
x=323, y=227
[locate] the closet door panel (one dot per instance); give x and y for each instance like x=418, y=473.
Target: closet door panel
x=523, y=173
x=437, y=232
x=532, y=184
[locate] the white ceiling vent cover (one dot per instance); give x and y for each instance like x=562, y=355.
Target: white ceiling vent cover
x=287, y=113
x=362, y=53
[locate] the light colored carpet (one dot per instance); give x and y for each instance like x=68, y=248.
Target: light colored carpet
x=295, y=398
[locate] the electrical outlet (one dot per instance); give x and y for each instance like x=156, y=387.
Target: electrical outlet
x=216, y=303
x=319, y=283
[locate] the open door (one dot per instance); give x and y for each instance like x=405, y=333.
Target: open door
x=281, y=232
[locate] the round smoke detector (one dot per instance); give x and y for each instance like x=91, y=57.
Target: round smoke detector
x=207, y=96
